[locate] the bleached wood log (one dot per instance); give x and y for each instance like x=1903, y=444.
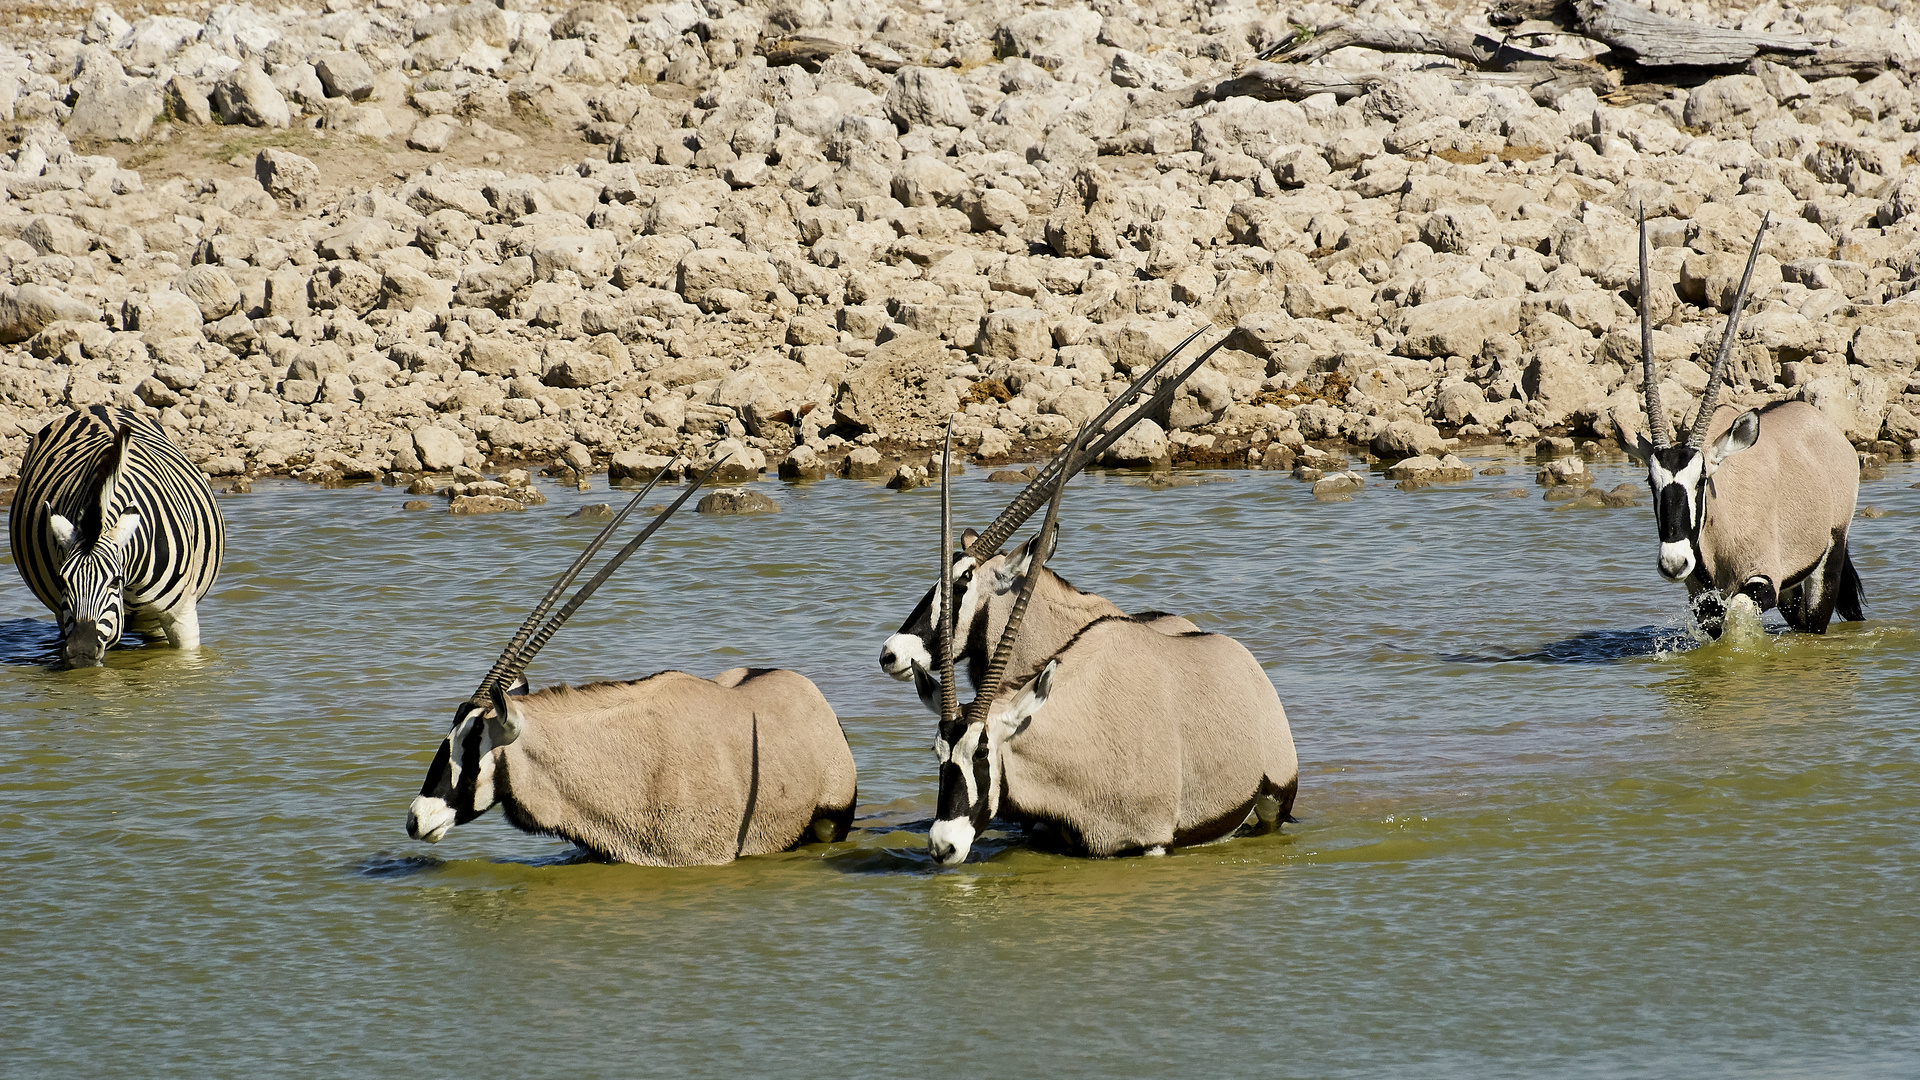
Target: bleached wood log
x=1659, y=41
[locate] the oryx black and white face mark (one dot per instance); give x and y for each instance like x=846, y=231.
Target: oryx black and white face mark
x=459, y=785
x=965, y=802
x=913, y=643
x=1679, y=478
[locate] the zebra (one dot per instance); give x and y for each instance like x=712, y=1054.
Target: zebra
x=114, y=530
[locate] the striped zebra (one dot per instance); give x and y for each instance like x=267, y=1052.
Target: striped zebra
x=114, y=529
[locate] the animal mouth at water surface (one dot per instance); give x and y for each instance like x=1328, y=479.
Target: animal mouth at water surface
x=429, y=819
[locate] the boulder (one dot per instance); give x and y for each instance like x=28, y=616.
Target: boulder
x=482, y=504
x=920, y=97
x=248, y=96
x=163, y=315
x=210, y=289
x=344, y=75
x=405, y=288
x=900, y=390
x=439, y=449
x=25, y=310
x=1144, y=444
x=736, y=501
x=1016, y=334
x=1409, y=439
x=1051, y=39
x=705, y=273
x=1428, y=469
x=49, y=234
x=1455, y=326
x=111, y=107
x=287, y=176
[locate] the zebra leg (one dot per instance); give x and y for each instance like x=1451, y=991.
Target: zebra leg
x=182, y=626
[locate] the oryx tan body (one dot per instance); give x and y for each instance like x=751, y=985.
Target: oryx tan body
x=1779, y=508
x=669, y=770
x=1145, y=740
x=676, y=770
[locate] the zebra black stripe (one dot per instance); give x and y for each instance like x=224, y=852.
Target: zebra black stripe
x=170, y=561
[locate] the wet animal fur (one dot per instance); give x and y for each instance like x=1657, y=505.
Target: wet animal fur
x=1145, y=740
x=676, y=770
x=1781, y=509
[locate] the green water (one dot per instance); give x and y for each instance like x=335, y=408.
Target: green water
x=1540, y=833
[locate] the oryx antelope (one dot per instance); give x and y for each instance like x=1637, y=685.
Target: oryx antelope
x=1755, y=502
x=1129, y=739
x=984, y=577
x=114, y=529
x=669, y=770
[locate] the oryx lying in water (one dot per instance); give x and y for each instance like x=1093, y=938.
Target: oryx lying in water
x=669, y=770
x=984, y=578
x=1129, y=739
x=1771, y=523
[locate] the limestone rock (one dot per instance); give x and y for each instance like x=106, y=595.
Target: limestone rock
x=482, y=504
x=900, y=390
x=1144, y=444
x=287, y=176
x=439, y=449
x=736, y=501
x=26, y=309
x=344, y=75
x=248, y=96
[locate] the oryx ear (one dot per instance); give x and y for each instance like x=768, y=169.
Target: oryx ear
x=967, y=537
x=506, y=722
x=519, y=687
x=1032, y=696
x=1633, y=441
x=1744, y=433
x=1013, y=568
x=63, y=533
x=124, y=529
x=926, y=685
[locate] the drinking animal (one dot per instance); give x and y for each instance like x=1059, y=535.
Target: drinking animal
x=669, y=770
x=1128, y=739
x=114, y=530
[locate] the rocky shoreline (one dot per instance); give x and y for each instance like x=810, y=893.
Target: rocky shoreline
x=379, y=240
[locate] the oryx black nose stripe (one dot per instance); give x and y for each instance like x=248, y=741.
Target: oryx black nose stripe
x=953, y=793
x=1675, y=515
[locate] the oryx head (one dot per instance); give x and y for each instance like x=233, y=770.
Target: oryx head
x=1679, y=475
x=966, y=745
x=913, y=645
x=460, y=782
x=93, y=560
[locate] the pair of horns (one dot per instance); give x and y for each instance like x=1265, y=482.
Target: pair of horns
x=1070, y=460
x=532, y=636
x=1656, y=418
x=1042, y=547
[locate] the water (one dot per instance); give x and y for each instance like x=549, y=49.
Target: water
x=1539, y=830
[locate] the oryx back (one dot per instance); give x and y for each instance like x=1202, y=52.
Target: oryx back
x=676, y=770
x=1146, y=740
x=1781, y=510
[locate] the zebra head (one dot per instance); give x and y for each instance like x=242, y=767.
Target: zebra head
x=93, y=561
x=1679, y=475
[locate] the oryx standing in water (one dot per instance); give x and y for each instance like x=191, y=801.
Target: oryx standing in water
x=669, y=770
x=1129, y=739
x=983, y=578
x=1771, y=523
